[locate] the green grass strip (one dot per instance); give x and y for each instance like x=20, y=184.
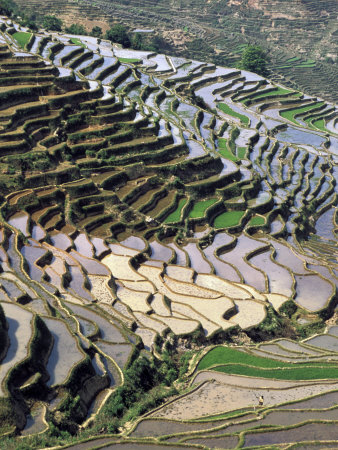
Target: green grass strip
x=293, y=59
x=238, y=412
x=225, y=151
x=306, y=65
x=257, y=220
x=227, y=110
x=307, y=62
x=129, y=60
x=77, y=41
x=199, y=208
x=309, y=123
x=241, y=152
x=320, y=125
x=291, y=63
x=22, y=37
x=284, y=67
x=276, y=93
x=228, y=219
x=176, y=215
x=290, y=114
x=289, y=373
x=299, y=66
x=228, y=355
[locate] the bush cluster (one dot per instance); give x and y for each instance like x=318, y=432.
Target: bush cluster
x=145, y=386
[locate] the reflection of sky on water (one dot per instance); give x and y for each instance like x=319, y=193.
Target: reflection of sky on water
x=295, y=136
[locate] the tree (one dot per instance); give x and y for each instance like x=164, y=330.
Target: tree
x=118, y=33
x=96, y=32
x=52, y=23
x=75, y=28
x=159, y=43
x=7, y=7
x=30, y=22
x=137, y=41
x=254, y=59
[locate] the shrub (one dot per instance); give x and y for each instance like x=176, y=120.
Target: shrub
x=96, y=32
x=118, y=33
x=254, y=59
x=75, y=28
x=184, y=362
x=288, y=308
x=7, y=416
x=7, y=7
x=90, y=153
x=272, y=323
x=137, y=41
x=52, y=23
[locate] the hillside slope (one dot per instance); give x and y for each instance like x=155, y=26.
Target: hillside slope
x=287, y=29
x=168, y=230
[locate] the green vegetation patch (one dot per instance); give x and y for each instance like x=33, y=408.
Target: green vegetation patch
x=254, y=59
x=223, y=355
x=289, y=373
x=199, y=208
x=129, y=60
x=22, y=37
x=227, y=110
x=307, y=63
x=238, y=412
x=77, y=41
x=279, y=91
x=228, y=219
x=293, y=59
x=291, y=113
x=319, y=124
x=225, y=151
x=300, y=64
x=241, y=152
x=7, y=415
x=146, y=385
x=176, y=215
x=257, y=220
x=233, y=361
x=240, y=48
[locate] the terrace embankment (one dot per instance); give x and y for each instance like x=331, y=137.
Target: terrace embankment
x=299, y=37
x=139, y=222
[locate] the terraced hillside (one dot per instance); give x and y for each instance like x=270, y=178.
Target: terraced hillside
x=300, y=37
x=154, y=204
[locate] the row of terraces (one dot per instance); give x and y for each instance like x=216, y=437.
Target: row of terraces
x=303, y=33
x=291, y=411
x=148, y=198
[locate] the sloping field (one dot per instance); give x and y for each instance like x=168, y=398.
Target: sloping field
x=299, y=37
x=126, y=251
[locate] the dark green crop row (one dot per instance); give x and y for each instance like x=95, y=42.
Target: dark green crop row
x=230, y=360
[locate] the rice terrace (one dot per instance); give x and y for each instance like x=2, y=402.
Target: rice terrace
x=168, y=251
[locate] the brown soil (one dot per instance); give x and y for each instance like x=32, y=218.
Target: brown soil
x=215, y=397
